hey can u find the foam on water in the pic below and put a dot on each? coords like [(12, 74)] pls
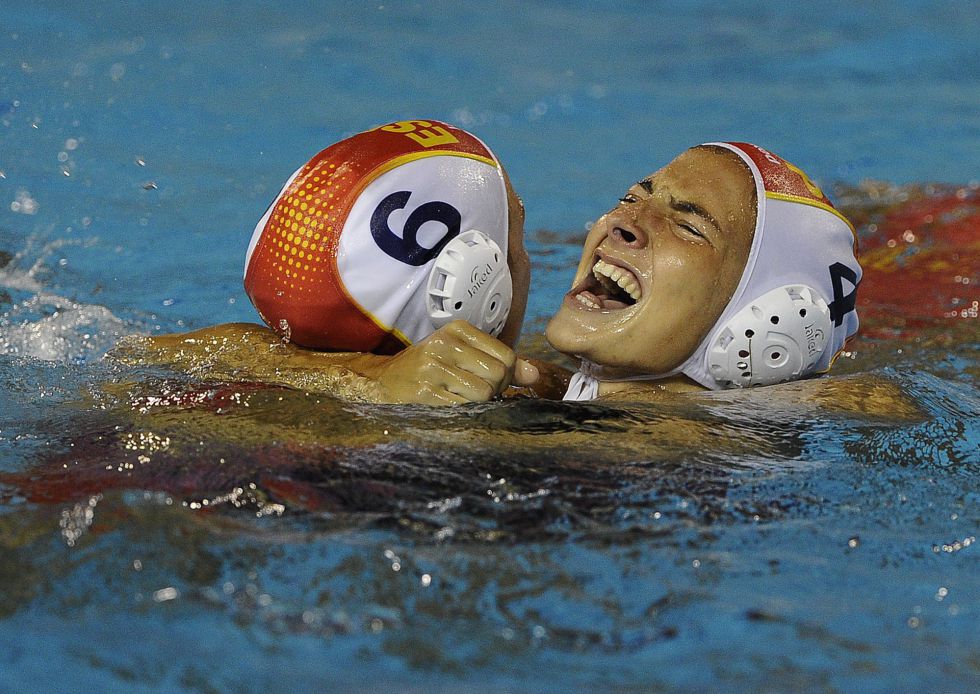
[(47, 326)]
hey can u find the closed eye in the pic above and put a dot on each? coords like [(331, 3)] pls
[(690, 229)]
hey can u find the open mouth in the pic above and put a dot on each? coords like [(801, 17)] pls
[(609, 288)]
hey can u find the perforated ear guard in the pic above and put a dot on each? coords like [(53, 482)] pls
[(778, 337), (470, 281)]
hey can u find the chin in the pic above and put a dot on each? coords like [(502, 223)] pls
[(570, 337), (564, 335), (567, 333), (555, 334)]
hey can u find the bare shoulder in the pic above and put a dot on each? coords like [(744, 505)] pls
[(226, 340), (869, 394), (866, 395)]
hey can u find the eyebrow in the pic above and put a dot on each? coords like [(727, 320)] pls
[(646, 184), (693, 208)]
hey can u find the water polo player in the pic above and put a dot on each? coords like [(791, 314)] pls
[(373, 245), (726, 268), (385, 236)]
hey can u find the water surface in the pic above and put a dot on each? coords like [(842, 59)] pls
[(168, 530)]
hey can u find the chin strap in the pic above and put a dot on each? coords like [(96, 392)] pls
[(585, 382), (584, 385)]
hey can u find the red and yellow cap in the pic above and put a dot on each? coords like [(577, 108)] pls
[(340, 259)]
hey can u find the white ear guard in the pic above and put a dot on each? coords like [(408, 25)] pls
[(778, 337), (470, 281)]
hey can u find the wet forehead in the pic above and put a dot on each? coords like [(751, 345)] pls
[(710, 179)]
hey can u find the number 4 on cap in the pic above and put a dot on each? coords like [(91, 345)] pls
[(842, 304)]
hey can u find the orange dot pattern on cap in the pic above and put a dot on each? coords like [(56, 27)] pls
[(303, 227)]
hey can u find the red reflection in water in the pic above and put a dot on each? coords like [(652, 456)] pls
[(921, 264)]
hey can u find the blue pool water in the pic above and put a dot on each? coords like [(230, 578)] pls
[(734, 542)]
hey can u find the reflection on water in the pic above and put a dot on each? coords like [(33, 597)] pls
[(815, 534)]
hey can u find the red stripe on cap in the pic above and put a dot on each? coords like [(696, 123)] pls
[(781, 177)]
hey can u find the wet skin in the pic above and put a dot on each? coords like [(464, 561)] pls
[(675, 248)]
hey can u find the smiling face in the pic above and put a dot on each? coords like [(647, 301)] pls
[(658, 269)]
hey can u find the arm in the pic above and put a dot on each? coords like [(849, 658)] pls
[(456, 364)]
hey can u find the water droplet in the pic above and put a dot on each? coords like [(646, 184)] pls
[(164, 594), (24, 203)]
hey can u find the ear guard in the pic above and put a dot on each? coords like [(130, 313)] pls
[(470, 281), (779, 337)]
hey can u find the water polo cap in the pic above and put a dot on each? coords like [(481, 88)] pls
[(342, 259), (794, 306)]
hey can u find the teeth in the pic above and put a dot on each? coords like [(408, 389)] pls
[(621, 277), (629, 286), (587, 301)]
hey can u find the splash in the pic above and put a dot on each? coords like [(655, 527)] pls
[(46, 326), (24, 203), (52, 328)]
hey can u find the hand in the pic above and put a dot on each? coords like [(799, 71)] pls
[(458, 363)]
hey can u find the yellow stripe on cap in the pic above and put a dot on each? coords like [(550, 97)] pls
[(814, 203), (415, 156)]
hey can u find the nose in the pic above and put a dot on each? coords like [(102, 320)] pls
[(629, 235)]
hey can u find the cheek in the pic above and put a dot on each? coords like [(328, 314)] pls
[(692, 288), (686, 267)]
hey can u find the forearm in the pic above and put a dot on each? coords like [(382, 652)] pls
[(456, 364), (250, 352)]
